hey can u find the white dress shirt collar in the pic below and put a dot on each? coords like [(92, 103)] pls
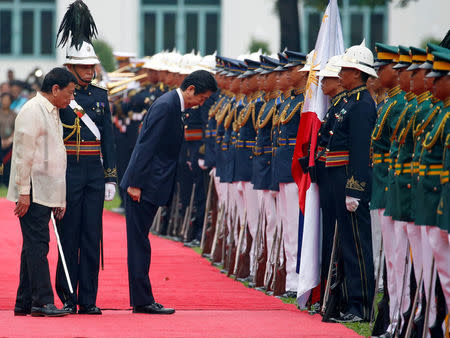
[(47, 104), (180, 94)]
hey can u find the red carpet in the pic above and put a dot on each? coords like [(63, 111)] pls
[(207, 302)]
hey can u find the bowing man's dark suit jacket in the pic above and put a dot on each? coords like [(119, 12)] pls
[(152, 168)]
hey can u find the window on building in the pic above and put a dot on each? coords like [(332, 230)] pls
[(182, 24), (358, 22), (33, 24)]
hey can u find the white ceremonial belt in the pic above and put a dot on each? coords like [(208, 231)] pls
[(85, 118)]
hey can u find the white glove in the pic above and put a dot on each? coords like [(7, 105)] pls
[(110, 191), (351, 203), (201, 164)]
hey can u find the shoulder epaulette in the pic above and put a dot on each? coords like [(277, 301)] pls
[(99, 86)]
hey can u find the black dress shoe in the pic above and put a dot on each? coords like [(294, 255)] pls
[(154, 308), (89, 310), (193, 243), (290, 294), (347, 318), (49, 310), (70, 308), (21, 311)]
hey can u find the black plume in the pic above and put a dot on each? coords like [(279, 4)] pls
[(446, 42), (79, 23)]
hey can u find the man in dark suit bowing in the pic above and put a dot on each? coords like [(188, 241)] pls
[(150, 177)]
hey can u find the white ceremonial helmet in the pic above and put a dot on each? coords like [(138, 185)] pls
[(309, 62), (331, 69), (359, 57), (84, 56), (255, 55), (208, 63)]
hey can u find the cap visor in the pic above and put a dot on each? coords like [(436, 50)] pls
[(435, 73), (293, 64), (426, 65), (401, 65), (381, 63)]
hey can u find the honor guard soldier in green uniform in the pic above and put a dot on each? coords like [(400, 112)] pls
[(441, 72), (428, 109), (91, 170), (429, 185), (383, 170)]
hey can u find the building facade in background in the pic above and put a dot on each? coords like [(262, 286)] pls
[(28, 27)]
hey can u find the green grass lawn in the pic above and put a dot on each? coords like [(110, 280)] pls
[(3, 190)]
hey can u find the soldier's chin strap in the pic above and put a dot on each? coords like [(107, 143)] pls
[(79, 77)]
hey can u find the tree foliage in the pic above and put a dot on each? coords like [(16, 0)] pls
[(256, 45), (290, 24), (105, 54)]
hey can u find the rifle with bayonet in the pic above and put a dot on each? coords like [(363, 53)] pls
[(173, 222), (330, 270), (215, 257), (240, 244), (223, 239), (231, 252), (270, 263), (261, 256), (243, 266), (210, 232), (276, 269), (155, 221), (187, 229), (206, 217), (279, 287)]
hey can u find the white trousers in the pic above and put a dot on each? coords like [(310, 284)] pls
[(267, 198), (376, 244), (289, 209), (251, 204), (429, 277), (387, 230), (439, 242), (402, 267)]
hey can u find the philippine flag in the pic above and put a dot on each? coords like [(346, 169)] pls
[(329, 43)]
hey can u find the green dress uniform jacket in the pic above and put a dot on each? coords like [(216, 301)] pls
[(430, 168), (381, 142), (443, 211), (393, 152), (400, 190), (427, 109)]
